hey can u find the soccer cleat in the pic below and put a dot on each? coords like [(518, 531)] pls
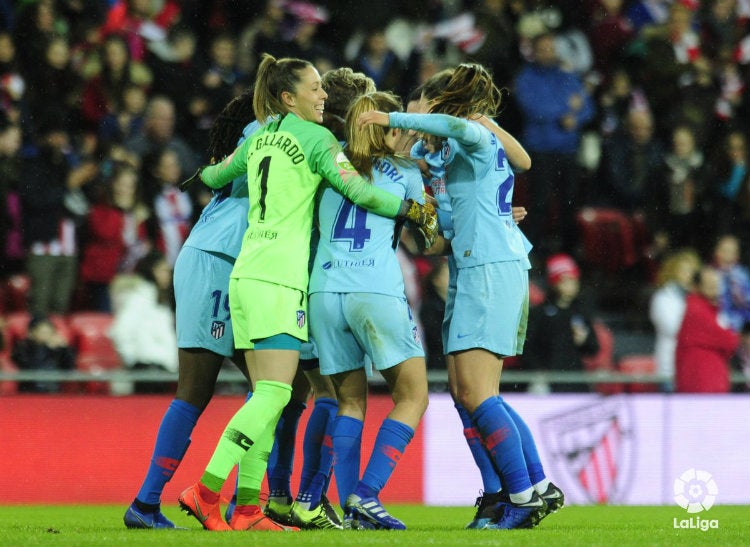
[(252, 518), (280, 512), (134, 518), (333, 516), (229, 511), (353, 523), (486, 513), (208, 514), (554, 498), (512, 516), (368, 513), (313, 519)]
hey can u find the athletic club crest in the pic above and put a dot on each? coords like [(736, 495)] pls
[(593, 445), (217, 329), (300, 318)]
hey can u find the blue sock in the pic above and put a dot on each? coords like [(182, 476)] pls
[(389, 447), (172, 442), (318, 451), (347, 449), (282, 454), (503, 442), (490, 478), (530, 453)]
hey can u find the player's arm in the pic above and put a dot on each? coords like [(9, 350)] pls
[(517, 156), (442, 125), (224, 172)]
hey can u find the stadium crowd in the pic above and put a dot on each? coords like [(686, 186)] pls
[(636, 114)]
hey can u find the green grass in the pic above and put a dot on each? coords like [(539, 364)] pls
[(617, 526)]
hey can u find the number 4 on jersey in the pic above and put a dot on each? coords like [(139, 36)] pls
[(351, 226)]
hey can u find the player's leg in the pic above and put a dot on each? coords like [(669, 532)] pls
[(390, 337), (264, 314), (487, 311), (281, 460), (205, 338), (308, 510)]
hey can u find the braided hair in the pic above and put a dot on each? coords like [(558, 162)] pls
[(227, 128)]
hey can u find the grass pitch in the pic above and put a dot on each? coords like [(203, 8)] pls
[(578, 526)]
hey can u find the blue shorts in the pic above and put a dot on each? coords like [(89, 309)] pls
[(346, 326), (490, 308), (449, 300), (201, 290)]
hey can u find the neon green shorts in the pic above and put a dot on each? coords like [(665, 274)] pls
[(260, 309)]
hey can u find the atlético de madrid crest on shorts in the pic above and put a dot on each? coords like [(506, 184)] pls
[(300, 318), (217, 329)]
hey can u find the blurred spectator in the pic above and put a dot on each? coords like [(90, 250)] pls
[(37, 23), (141, 22), (667, 307), (262, 35), (158, 131), (53, 203), (113, 75), (560, 330), (11, 235), (728, 185), (12, 83), (44, 349), (720, 27), (555, 107), (380, 63), (431, 313), (180, 66), (172, 208), (115, 236), (705, 346), (143, 329), (680, 192), (609, 33), (632, 164), (734, 282), (617, 98), (53, 83), (123, 124), (304, 44), (499, 50)]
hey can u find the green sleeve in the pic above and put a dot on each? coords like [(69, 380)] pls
[(336, 168), (231, 167)]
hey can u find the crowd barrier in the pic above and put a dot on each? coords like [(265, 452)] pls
[(621, 449)]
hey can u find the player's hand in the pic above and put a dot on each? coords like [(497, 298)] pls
[(425, 221), (518, 213), (373, 117), (185, 184)]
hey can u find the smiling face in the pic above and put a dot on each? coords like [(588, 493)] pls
[(307, 101)]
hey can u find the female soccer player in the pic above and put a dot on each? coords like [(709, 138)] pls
[(285, 163), (359, 308), (490, 304), (518, 159), (204, 330)]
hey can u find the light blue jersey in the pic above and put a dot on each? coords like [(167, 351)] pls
[(223, 220), (479, 183), (356, 251), (201, 273), (436, 165)]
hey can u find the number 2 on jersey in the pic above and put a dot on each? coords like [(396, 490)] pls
[(351, 228)]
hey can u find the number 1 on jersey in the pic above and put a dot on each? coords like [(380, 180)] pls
[(263, 167)]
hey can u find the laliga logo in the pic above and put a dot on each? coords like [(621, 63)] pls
[(695, 490)]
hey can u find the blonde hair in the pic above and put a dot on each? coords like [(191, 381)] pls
[(368, 142), (275, 76), (671, 264)]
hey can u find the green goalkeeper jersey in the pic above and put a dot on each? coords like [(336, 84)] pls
[(285, 162)]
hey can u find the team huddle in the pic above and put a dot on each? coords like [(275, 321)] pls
[(300, 239)]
